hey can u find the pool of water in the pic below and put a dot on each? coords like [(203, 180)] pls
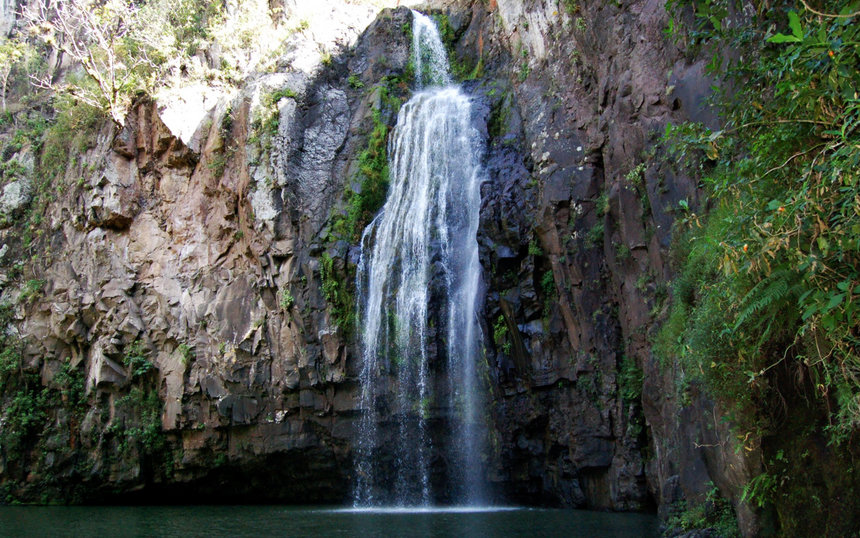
[(233, 521)]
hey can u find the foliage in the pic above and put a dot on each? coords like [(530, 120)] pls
[(186, 353), (135, 358), (286, 299), (783, 247), (31, 289), (500, 335), (571, 6), (630, 378), (594, 236), (355, 82), (547, 284), (71, 133), (140, 426), (601, 204), (714, 513), (338, 294), (102, 39), (23, 415), (500, 115), (12, 52), (550, 293), (766, 304), (363, 203), (284, 93), (264, 125)]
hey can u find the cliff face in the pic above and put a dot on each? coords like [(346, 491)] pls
[(576, 232), (181, 282), (189, 277)]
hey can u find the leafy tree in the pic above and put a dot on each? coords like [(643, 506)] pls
[(99, 37)]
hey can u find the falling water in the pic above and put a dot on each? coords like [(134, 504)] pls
[(418, 282)]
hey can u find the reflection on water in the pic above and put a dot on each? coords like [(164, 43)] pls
[(237, 521)]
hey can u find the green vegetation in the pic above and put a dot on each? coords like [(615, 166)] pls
[(72, 133), (500, 115), (714, 513), (601, 204), (364, 197), (31, 290), (500, 335), (139, 427), (28, 406), (339, 294), (594, 236), (265, 122), (765, 308), (630, 379), (462, 68), (124, 49), (186, 353), (135, 359), (355, 82), (571, 6), (11, 53), (550, 293), (363, 203), (286, 299), (524, 72)]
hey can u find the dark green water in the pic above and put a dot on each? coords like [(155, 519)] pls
[(235, 521)]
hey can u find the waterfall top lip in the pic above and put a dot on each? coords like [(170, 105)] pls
[(427, 41)]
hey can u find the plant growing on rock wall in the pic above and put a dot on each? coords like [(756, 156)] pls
[(337, 294), (135, 359), (363, 203), (785, 239), (286, 299), (500, 335), (766, 310), (140, 425)]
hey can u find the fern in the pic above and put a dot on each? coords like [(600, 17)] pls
[(772, 296)]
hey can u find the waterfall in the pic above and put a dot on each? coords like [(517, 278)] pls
[(419, 435)]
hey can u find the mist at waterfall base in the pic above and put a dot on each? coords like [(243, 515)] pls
[(420, 439), (253, 521)]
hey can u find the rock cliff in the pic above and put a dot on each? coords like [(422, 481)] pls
[(192, 284)]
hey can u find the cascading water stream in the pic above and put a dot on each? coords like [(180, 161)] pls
[(418, 286)]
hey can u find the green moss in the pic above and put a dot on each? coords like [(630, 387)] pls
[(500, 113)]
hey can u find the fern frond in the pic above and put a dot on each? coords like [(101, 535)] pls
[(770, 295)]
